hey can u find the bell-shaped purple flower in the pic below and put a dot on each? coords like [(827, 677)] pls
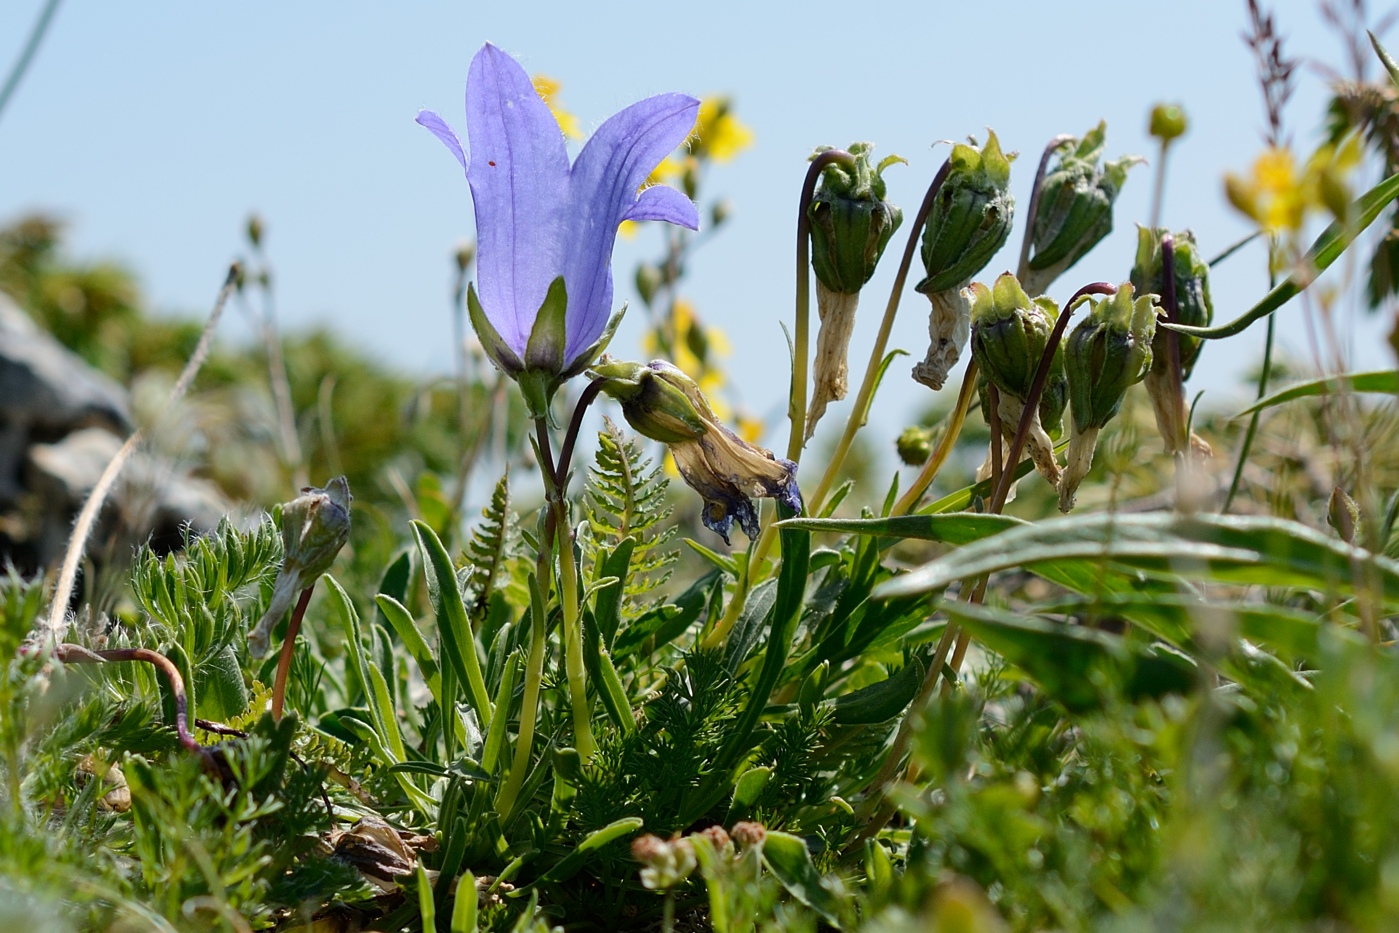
[(544, 228)]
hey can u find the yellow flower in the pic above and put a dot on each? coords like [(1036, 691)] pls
[(547, 88), (1279, 197), (718, 133)]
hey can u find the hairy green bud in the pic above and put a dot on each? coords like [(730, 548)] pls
[(1075, 208), (315, 527), (915, 445), (1010, 333), (970, 218), (851, 222), (1167, 122), (1107, 353)]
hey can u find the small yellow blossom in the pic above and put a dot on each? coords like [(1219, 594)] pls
[(547, 88), (718, 133), (1279, 197)]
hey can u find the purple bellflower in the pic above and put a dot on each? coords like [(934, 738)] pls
[(545, 229)]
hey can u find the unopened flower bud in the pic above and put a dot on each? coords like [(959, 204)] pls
[(1167, 122), (719, 839), (1075, 208), (915, 445), (315, 526), (664, 404), (648, 281), (665, 864), (748, 834), (1193, 307), (970, 218), (255, 230), (1107, 353), (1010, 332), (851, 222)]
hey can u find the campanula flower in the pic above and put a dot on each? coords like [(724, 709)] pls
[(546, 228)]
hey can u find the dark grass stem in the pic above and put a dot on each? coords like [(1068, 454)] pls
[(1246, 448), (801, 337), (1032, 400)]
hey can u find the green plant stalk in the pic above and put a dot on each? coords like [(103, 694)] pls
[(801, 338), (859, 411), (854, 422), (555, 476), (909, 500), (1247, 445), (529, 705)]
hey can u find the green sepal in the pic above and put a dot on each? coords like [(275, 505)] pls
[(495, 346), (549, 335), (970, 219)]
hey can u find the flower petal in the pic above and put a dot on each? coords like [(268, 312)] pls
[(609, 171), (439, 128), (660, 202), (519, 186)]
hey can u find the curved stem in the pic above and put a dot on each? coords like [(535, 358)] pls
[(1023, 266), (76, 654), (801, 338), (26, 57), (575, 425), (1032, 399), (859, 410)]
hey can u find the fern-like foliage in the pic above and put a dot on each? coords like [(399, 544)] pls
[(626, 498), (491, 551)]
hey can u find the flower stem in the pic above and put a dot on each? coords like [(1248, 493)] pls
[(279, 685), (1023, 266), (76, 654), (529, 713), (801, 338), (1263, 376), (1032, 399), (909, 500), (860, 409), (853, 423), (555, 480)]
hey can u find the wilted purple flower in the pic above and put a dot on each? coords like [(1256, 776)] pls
[(545, 229)]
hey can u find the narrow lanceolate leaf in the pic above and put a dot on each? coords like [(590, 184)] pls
[(1326, 250), (1384, 381), (1242, 550), (458, 641)]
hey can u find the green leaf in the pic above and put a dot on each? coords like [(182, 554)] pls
[(1389, 63), (1245, 550), (789, 861), (458, 640), (1069, 661), (882, 701), (402, 622), (569, 865), (1383, 381), (747, 789), (1327, 249), (464, 908)]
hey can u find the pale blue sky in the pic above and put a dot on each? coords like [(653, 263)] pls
[(155, 128)]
